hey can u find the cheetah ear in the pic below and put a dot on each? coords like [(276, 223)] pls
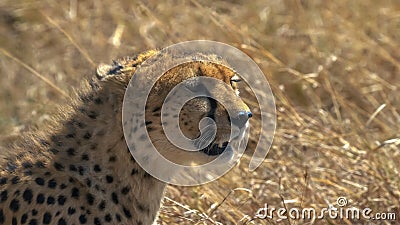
[(103, 71)]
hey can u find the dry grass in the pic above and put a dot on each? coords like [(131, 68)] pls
[(334, 67)]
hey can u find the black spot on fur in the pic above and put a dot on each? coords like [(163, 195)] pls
[(15, 180), (96, 221), (86, 98), (40, 199), (27, 195), (39, 164), (97, 168), (125, 190), (3, 181), (156, 109), (87, 136), (24, 218), (82, 219), (102, 205), (81, 170), (61, 221), (92, 115), (71, 151), (85, 157), (127, 213), (82, 109), (114, 197), (112, 159), (61, 199), (50, 200), (44, 142), (58, 166), (52, 184), (109, 179), (71, 210), (46, 218), (115, 70), (90, 198), (142, 207), (75, 193), (14, 205), (118, 217), (108, 218), (98, 101), (39, 181), (14, 221), (134, 171), (26, 165), (63, 186), (11, 167), (93, 146), (88, 182), (34, 212), (71, 135), (73, 168)]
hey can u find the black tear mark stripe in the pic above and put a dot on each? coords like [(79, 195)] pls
[(213, 104)]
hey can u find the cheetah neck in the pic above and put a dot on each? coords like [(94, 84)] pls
[(88, 147)]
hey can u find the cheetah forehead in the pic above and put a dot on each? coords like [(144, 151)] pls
[(196, 69), (201, 65)]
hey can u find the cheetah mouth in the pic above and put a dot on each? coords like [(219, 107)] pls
[(214, 149)]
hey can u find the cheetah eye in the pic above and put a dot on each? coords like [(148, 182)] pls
[(235, 79)]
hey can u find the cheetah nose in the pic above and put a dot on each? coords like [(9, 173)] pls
[(241, 119)]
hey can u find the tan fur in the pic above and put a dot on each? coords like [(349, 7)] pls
[(78, 170)]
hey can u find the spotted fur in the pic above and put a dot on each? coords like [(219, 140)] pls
[(78, 169)]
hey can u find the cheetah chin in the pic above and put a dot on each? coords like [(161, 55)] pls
[(215, 148)]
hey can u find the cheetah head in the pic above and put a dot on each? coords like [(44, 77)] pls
[(194, 110)]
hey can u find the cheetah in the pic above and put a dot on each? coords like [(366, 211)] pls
[(78, 168)]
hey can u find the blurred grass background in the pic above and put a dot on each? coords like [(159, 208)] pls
[(334, 67)]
